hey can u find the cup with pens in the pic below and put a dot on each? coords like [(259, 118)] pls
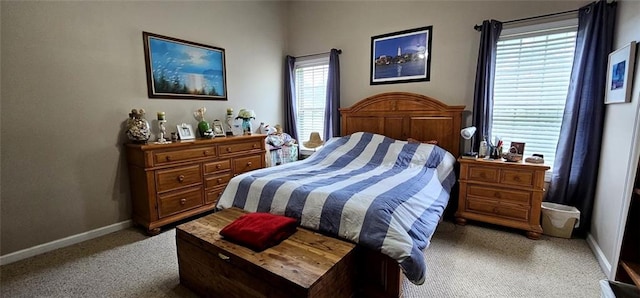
[(495, 151)]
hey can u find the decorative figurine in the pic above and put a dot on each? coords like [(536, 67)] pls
[(137, 127), (203, 126), (229, 121), (246, 116)]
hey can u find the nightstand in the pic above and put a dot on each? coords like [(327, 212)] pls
[(502, 193)]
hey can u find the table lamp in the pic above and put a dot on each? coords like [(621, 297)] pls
[(467, 133)]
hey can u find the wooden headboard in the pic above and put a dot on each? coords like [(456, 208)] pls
[(403, 115)]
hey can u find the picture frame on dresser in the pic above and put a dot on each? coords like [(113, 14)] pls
[(181, 69), (185, 131), (218, 129)]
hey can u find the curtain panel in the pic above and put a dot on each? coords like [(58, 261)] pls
[(575, 171), (485, 74), (290, 122), (331, 111)]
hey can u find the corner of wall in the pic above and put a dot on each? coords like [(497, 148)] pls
[(600, 257)]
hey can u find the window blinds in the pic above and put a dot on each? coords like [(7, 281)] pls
[(311, 94), (531, 83)]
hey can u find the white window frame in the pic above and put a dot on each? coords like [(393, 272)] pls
[(318, 93), (511, 101)]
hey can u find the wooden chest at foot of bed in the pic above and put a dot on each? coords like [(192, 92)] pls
[(307, 264)]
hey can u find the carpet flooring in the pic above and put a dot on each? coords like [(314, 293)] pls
[(463, 261)]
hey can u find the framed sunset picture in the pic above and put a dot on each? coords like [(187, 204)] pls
[(181, 69)]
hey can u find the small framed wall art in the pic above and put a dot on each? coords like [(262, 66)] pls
[(182, 69), (620, 74), (401, 57), (185, 131)]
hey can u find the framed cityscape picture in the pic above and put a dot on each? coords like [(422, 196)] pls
[(401, 57), (182, 69)]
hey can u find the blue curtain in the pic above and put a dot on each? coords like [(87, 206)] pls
[(290, 123), (575, 170), (485, 74), (331, 111)]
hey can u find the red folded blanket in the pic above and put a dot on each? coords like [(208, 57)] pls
[(259, 231)]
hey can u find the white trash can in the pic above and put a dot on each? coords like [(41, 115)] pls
[(559, 220)]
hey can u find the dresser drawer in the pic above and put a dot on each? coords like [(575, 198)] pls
[(213, 195), (246, 164), (177, 202), (217, 166), (510, 195), (494, 207), (175, 178), (160, 158), (217, 180), (483, 174), (519, 178), (239, 147)]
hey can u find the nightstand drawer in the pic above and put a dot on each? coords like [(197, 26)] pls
[(493, 207), (519, 178), (510, 195), (160, 158), (217, 166), (483, 174), (177, 178)]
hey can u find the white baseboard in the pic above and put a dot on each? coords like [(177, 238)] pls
[(605, 265), (46, 247)]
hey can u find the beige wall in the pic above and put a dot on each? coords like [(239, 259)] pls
[(318, 26), (620, 151), (71, 72)]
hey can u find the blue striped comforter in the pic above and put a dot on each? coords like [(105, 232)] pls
[(384, 194)]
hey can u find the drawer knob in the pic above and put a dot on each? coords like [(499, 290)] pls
[(496, 194), (218, 166), (248, 164), (204, 153), (228, 149), (483, 175), (223, 257), (183, 201), (219, 180), (181, 178), (255, 146), (235, 175), (516, 178), (168, 158)]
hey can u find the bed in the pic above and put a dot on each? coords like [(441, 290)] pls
[(369, 186)]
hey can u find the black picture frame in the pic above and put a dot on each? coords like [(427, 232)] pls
[(401, 57), (519, 146), (180, 69)]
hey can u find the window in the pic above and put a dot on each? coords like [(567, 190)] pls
[(311, 96), (533, 68)]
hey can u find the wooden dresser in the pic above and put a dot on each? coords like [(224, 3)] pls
[(170, 182), (503, 193)]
